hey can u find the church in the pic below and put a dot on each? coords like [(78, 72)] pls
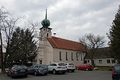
[(55, 49)]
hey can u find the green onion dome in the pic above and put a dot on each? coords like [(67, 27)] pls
[(45, 23)]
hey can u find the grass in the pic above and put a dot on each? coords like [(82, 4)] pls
[(104, 68)]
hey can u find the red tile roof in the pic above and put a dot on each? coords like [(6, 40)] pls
[(65, 44)]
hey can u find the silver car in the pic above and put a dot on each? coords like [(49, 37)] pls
[(70, 67), (38, 69)]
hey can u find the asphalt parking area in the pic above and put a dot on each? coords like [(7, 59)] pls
[(77, 75)]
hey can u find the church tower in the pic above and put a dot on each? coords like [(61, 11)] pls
[(45, 31)]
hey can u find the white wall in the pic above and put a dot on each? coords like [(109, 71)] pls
[(102, 62), (63, 56), (45, 53)]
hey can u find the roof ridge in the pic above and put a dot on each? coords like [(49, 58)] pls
[(66, 39)]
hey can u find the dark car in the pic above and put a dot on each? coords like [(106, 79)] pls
[(116, 72), (38, 69), (85, 67), (17, 71)]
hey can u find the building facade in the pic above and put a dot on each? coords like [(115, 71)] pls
[(102, 57), (54, 49)]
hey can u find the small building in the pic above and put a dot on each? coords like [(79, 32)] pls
[(102, 57), (55, 49)]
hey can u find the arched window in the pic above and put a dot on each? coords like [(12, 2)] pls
[(47, 34)]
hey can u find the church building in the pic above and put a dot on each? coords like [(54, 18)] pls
[(55, 49)]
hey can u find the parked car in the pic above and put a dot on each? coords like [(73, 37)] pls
[(17, 71), (57, 68), (85, 67), (70, 67), (38, 69), (116, 72)]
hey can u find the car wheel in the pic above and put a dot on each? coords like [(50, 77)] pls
[(64, 72), (73, 70), (35, 73), (54, 71), (45, 73), (90, 69), (26, 75), (8, 74)]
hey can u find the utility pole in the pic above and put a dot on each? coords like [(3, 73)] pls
[(1, 51)]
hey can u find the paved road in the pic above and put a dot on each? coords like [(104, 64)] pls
[(78, 75)]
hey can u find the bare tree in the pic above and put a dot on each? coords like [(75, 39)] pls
[(92, 43), (8, 29), (3, 16), (7, 26)]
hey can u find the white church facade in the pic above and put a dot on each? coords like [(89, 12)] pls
[(54, 49)]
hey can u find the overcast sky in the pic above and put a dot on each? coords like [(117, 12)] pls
[(69, 19)]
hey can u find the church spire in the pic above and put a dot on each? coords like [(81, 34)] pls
[(45, 23), (46, 14)]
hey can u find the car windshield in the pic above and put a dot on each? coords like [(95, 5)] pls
[(17, 67), (61, 64), (23, 66), (44, 66), (71, 64)]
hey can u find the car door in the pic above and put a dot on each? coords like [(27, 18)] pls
[(31, 69)]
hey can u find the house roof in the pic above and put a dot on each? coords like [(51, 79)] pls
[(100, 53), (65, 44)]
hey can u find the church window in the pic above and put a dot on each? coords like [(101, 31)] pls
[(72, 56), (66, 56), (77, 56), (60, 58), (81, 56)]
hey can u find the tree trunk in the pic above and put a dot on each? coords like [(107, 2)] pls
[(2, 56)]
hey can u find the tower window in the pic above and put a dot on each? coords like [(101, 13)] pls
[(47, 34), (40, 61)]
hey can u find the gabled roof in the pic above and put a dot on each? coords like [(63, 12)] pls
[(100, 53), (65, 44)]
